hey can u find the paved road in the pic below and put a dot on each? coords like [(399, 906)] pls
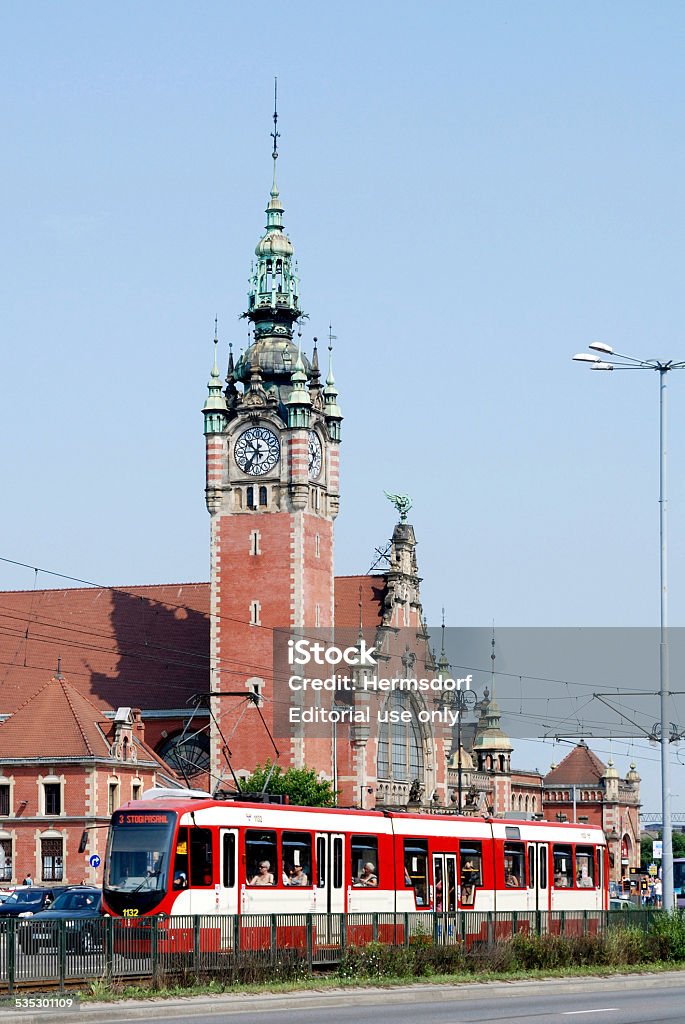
[(644, 999)]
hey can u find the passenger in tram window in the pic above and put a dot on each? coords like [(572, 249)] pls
[(368, 876), (298, 876), (263, 875), (561, 881), (512, 881), (407, 876)]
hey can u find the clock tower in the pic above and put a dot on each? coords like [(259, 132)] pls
[(272, 450)]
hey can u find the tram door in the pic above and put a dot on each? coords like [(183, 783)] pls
[(444, 882), (538, 881), (226, 888), (330, 873)]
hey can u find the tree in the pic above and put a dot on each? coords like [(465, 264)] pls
[(301, 785), (647, 849)]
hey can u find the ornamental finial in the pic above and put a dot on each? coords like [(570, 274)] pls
[(402, 503), (275, 135)]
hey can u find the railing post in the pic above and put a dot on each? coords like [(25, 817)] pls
[(154, 945), (274, 939), (237, 944), (343, 932), (374, 925), (514, 923), (109, 946), (538, 923), (406, 928), (62, 951), (310, 941), (11, 940), (197, 953)]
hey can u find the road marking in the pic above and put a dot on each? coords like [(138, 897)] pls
[(605, 1009)]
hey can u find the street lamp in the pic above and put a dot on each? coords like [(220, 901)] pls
[(610, 360), (463, 701)]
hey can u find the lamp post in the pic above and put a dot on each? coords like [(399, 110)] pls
[(464, 700), (610, 360)]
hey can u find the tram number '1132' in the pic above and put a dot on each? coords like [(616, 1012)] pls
[(130, 912)]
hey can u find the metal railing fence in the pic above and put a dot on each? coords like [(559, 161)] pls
[(62, 952)]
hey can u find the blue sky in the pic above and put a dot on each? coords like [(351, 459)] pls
[(475, 192)]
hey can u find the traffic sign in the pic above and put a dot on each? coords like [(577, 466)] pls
[(95, 861), (658, 849), (652, 870)]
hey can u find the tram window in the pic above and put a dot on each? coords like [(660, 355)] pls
[(261, 857), (514, 866), (416, 869), (543, 867), (296, 848), (181, 860), (364, 853), (321, 861), (337, 862), (470, 870), (585, 867), (229, 860), (201, 870), (531, 867), (563, 866)]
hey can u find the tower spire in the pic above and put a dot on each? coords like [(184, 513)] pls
[(275, 135)]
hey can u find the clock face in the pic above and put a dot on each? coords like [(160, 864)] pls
[(314, 454), (257, 451)]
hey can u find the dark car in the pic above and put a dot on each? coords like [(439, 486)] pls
[(29, 900), (81, 910)]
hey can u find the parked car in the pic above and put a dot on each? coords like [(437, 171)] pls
[(622, 904), (81, 910), (28, 900)]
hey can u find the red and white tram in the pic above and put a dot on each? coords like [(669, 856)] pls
[(180, 853)]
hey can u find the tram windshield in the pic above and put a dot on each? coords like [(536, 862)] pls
[(138, 857)]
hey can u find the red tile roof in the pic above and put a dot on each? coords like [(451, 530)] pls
[(58, 721), (580, 767), (145, 647)]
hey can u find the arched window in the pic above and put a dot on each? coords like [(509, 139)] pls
[(189, 756), (250, 497), (262, 495), (400, 747)]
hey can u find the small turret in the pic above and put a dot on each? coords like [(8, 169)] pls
[(215, 409)]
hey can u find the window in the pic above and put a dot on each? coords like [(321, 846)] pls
[(52, 795), (585, 867), (262, 496), (255, 609), (317, 615), (255, 538), (317, 546), (193, 862), (416, 869), (471, 870), (201, 868), (229, 860), (400, 748), (563, 866), (261, 857), (337, 862), (514, 865), (531, 867), (297, 858), (112, 797), (250, 497), (4, 799), (5, 860), (51, 860), (321, 861), (136, 789), (364, 858)]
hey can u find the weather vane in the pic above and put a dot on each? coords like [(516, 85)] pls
[(275, 134), (402, 503)]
